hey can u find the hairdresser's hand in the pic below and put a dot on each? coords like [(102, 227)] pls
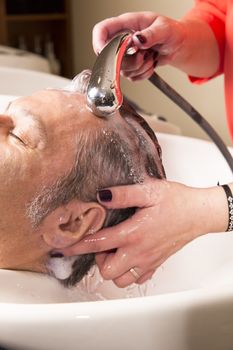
[(156, 38), (170, 216), (188, 44)]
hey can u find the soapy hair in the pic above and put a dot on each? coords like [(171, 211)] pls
[(105, 157)]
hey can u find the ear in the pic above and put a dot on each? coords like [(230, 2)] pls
[(67, 224)]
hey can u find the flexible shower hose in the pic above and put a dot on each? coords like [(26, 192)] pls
[(157, 81)]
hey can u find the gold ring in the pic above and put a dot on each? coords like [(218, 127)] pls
[(134, 273)]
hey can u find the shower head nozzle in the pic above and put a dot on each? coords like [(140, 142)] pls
[(104, 95)]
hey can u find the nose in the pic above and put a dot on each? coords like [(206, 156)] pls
[(6, 124)]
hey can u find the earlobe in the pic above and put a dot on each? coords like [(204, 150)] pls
[(67, 224)]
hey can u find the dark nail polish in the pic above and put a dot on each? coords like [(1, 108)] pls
[(146, 55), (155, 55), (56, 255), (141, 38), (105, 195), (163, 119)]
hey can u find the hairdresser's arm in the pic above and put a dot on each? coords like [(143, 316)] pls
[(170, 216), (189, 44)]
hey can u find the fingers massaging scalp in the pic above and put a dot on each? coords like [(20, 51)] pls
[(104, 95)]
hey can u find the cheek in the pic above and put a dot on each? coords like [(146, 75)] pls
[(19, 246), (12, 250), (19, 181), (12, 163)]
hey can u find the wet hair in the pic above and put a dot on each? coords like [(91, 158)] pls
[(105, 157)]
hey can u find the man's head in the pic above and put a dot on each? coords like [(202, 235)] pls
[(55, 155)]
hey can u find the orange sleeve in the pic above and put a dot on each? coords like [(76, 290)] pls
[(213, 13)]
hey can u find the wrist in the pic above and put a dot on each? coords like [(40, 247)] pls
[(208, 211), (198, 55), (217, 210)]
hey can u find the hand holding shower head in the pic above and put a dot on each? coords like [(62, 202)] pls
[(104, 95)]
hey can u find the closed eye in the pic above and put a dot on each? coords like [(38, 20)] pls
[(16, 137)]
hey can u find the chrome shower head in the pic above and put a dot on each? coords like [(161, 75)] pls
[(104, 95)]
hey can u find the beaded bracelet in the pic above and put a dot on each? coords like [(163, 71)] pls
[(230, 206)]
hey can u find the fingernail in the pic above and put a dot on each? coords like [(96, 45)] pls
[(105, 195), (141, 38), (163, 119), (146, 55), (56, 255), (155, 55)]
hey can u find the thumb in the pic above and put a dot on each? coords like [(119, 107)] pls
[(155, 34), (140, 195)]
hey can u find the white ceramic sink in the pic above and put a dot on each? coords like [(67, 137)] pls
[(21, 82), (188, 305)]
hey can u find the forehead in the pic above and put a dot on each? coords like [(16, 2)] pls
[(66, 112), (58, 110), (52, 101)]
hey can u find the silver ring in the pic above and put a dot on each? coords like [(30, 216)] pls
[(134, 273)]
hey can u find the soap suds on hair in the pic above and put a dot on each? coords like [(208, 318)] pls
[(61, 268)]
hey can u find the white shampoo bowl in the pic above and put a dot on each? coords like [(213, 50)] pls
[(188, 304)]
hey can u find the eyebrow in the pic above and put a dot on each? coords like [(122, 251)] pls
[(35, 119), (37, 122), (8, 105)]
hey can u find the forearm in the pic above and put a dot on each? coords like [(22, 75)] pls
[(199, 54)]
